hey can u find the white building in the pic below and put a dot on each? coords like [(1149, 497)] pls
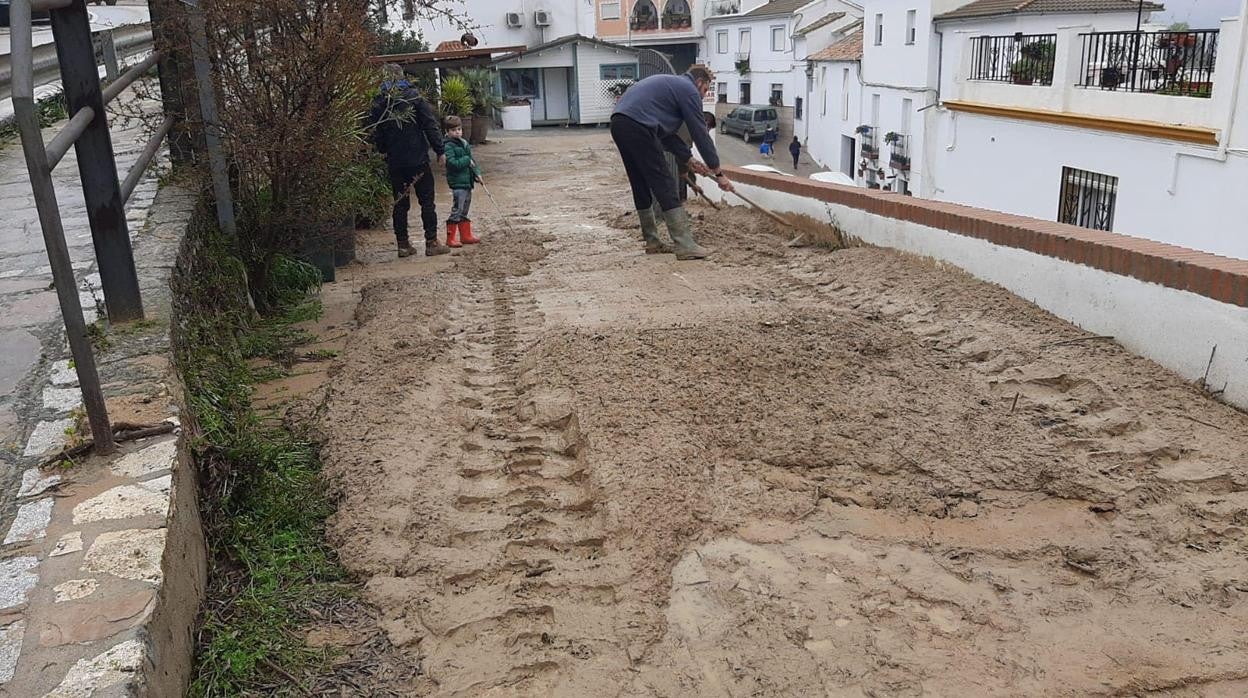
[(571, 80), (758, 54), (833, 105), (1145, 135), (508, 22)]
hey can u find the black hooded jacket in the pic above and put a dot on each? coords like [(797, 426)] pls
[(405, 128)]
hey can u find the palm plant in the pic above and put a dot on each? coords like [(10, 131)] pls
[(456, 99), (480, 83)]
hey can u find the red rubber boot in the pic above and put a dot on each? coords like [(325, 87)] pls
[(452, 235), (465, 230)]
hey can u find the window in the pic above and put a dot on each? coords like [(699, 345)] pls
[(907, 105), (845, 94), (610, 10), (743, 42), (875, 110), (617, 71), (911, 32), (879, 30), (520, 82), (721, 92), (721, 42), (1087, 199), (777, 94), (745, 93), (797, 108), (823, 82), (777, 39)]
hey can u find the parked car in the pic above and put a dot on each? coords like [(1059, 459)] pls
[(38, 15), (750, 120)]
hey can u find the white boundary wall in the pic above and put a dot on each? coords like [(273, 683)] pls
[(1177, 329)]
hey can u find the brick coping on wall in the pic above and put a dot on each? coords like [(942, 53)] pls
[(1221, 278)]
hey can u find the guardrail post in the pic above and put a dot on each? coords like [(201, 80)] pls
[(108, 51), (168, 33), (96, 164), (212, 122), (44, 191)]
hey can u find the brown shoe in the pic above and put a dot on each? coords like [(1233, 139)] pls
[(433, 248), (406, 250)]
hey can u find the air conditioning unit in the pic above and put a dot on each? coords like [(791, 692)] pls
[(515, 20), (541, 18)]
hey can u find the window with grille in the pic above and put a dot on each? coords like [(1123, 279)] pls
[(617, 71), (777, 94), (1087, 199), (721, 93), (745, 93), (797, 108)]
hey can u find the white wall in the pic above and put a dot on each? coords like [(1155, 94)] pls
[(766, 66), (595, 105), (1015, 166), (1175, 328), (567, 17), (828, 121)]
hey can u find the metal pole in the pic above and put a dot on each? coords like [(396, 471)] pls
[(112, 69), (96, 165), (212, 123), (53, 234), (171, 78), (1135, 47)]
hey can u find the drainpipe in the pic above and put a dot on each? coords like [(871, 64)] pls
[(1224, 144)]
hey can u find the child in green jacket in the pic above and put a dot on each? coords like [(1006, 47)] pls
[(461, 174)]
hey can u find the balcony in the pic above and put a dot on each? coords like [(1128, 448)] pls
[(644, 16), (724, 7), (869, 147), (1021, 59), (676, 15), (899, 151), (1177, 63)]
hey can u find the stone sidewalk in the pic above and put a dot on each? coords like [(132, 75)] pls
[(33, 410), (103, 563)]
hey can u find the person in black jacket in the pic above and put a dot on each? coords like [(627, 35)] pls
[(405, 130)]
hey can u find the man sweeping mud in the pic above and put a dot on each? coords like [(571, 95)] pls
[(645, 123)]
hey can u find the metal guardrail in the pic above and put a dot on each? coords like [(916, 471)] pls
[(113, 47), (88, 132)]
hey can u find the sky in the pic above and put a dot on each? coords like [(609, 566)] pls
[(1199, 14)]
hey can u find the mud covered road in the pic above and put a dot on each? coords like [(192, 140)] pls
[(567, 468)]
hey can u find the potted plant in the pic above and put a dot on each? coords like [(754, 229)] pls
[(743, 65), (863, 129), (457, 100), (485, 101), (1111, 77), (892, 137), (899, 162), (1023, 72)]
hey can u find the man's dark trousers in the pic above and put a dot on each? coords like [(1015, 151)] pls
[(649, 174), (400, 177)]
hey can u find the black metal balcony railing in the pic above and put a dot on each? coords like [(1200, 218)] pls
[(899, 151), (1172, 62), (1023, 59), (869, 146)]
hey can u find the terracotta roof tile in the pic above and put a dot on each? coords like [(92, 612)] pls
[(847, 49), (991, 8)]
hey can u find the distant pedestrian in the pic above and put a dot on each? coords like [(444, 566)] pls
[(405, 130), (795, 149), (461, 174), (770, 136)]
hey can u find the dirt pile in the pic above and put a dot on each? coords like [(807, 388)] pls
[(783, 472)]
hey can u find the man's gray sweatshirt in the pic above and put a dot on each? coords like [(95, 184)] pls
[(664, 103)]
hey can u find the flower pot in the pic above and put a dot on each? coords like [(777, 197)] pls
[(1022, 79), (480, 128), (467, 125), (318, 250), (344, 243), (517, 117)]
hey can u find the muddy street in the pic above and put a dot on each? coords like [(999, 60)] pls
[(567, 468)]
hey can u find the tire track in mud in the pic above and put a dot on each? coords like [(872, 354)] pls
[(525, 601)]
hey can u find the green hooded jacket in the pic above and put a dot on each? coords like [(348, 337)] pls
[(460, 169)]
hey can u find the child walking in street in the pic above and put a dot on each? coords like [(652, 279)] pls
[(795, 149), (461, 173), (768, 148)]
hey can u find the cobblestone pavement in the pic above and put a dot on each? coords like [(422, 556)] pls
[(35, 402)]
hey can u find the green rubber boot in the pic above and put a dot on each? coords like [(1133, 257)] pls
[(650, 231), (680, 227)]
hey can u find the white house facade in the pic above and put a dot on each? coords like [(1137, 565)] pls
[(509, 22), (833, 106), (1074, 117), (571, 80)]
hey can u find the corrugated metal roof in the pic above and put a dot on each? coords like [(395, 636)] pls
[(847, 49), (819, 23), (777, 7), (992, 8)]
